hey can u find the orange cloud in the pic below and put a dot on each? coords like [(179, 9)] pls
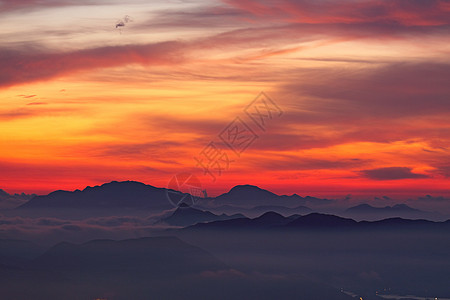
[(355, 108)]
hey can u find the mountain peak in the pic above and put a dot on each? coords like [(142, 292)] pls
[(248, 192), (187, 215), (248, 188), (270, 215), (364, 205), (113, 195), (322, 220), (119, 184), (183, 206), (403, 206)]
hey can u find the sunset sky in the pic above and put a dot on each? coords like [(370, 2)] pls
[(363, 88)]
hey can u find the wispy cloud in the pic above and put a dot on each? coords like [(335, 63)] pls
[(404, 12), (27, 5), (392, 173), (363, 84), (27, 66)]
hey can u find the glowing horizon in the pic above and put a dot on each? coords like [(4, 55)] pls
[(363, 87)]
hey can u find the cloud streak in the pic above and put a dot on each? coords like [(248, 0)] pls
[(363, 85), (392, 173), (405, 12), (14, 5), (33, 65)]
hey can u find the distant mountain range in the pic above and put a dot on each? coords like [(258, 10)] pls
[(8, 201), (132, 194), (135, 198), (185, 215), (267, 220), (371, 213), (251, 196), (113, 195), (259, 210), (398, 208), (316, 221)]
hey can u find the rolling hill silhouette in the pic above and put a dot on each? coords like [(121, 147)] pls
[(261, 209), (366, 208), (185, 215), (317, 221), (371, 213)]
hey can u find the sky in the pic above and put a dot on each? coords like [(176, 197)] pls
[(356, 95)]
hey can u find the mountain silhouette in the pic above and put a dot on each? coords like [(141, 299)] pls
[(113, 195), (370, 213), (400, 223), (261, 209), (266, 220), (240, 192), (185, 215), (301, 209), (397, 208), (135, 195), (317, 221), (250, 196), (9, 201)]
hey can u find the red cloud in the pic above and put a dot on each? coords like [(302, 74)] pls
[(10, 5), (19, 67), (405, 12), (392, 173)]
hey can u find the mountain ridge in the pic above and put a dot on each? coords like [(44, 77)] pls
[(317, 221), (108, 195), (185, 215), (138, 198), (134, 194)]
